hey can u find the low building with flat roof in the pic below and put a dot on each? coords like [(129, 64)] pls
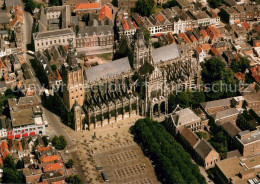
[(238, 170), (249, 142)]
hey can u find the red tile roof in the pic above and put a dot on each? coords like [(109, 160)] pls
[(52, 158), (205, 46), (240, 76), (185, 37), (246, 25), (193, 39), (105, 12), (16, 18), (125, 24), (2, 65), (1, 161), (58, 182), (215, 51), (256, 73), (198, 48), (58, 76), (52, 167), (41, 149), (203, 33), (160, 18), (87, 6)]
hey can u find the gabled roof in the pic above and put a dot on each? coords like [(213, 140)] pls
[(16, 18), (203, 148), (52, 158), (105, 12), (52, 167), (231, 129), (87, 6), (191, 137)]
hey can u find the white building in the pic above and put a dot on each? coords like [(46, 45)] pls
[(27, 122), (44, 40)]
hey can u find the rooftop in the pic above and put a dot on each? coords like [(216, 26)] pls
[(216, 103), (166, 53), (231, 129), (107, 70), (203, 148), (225, 113), (184, 116), (53, 33), (255, 136), (191, 137)]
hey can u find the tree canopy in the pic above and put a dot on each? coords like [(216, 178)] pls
[(75, 179), (144, 7), (69, 164), (10, 173), (59, 142), (172, 163), (115, 3)]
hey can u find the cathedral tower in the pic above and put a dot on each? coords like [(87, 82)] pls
[(73, 79)]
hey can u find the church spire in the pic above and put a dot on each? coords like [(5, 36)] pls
[(71, 59)]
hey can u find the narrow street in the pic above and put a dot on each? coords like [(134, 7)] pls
[(27, 26), (58, 127)]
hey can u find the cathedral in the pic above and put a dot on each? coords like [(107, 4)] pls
[(135, 85)]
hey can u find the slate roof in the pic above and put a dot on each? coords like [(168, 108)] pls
[(225, 113), (4, 18), (10, 3), (90, 30), (216, 103), (107, 70), (191, 137), (166, 53), (231, 129), (203, 148), (54, 33)]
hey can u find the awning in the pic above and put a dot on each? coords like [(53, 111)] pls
[(23, 131), (157, 35), (10, 133), (32, 133), (10, 136), (25, 135), (237, 21), (17, 136)]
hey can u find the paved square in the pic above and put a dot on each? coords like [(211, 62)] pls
[(124, 162)]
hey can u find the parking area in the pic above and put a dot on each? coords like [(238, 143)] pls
[(124, 162)]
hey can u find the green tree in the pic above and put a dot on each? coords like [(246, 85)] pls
[(59, 142), (170, 4), (45, 141), (55, 2), (53, 67), (9, 162), (212, 70), (19, 164), (144, 7), (75, 179), (69, 164), (215, 3), (240, 66), (12, 176), (115, 3), (85, 18), (9, 93)]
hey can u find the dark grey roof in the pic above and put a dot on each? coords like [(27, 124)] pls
[(2, 123), (75, 20), (54, 33), (225, 113), (165, 53), (91, 30), (216, 103), (107, 70), (203, 148), (66, 16), (4, 18), (2, 84), (231, 129), (10, 3)]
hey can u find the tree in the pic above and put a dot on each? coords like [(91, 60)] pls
[(9, 162), (59, 142), (240, 66), (115, 3), (9, 93), (45, 140), (170, 4), (85, 18), (144, 7), (212, 70), (53, 67), (75, 179), (12, 176), (55, 2), (215, 3), (19, 164), (69, 164)]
